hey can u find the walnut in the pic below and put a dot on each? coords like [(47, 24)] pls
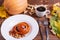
[(30, 9)]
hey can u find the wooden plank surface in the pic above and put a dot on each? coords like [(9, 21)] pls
[(49, 2)]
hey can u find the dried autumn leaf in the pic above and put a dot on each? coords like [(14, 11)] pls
[(3, 13)]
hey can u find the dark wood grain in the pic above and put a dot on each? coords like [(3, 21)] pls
[(1, 1), (49, 2)]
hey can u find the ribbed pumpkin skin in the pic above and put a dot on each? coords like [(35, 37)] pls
[(15, 6)]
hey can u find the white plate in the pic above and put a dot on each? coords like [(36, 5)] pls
[(9, 23)]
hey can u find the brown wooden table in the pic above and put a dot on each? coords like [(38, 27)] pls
[(38, 37)]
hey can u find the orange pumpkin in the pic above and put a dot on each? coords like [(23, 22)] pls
[(15, 6)]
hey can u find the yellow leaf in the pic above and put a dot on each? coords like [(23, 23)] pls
[(57, 24), (3, 13), (58, 35)]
